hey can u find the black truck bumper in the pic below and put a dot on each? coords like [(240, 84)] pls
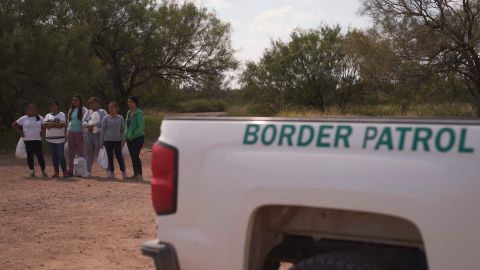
[(163, 254)]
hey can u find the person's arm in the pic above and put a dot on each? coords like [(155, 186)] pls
[(122, 130), (57, 125), (85, 117), (141, 122), (18, 128), (42, 127), (47, 124), (62, 122), (67, 121)]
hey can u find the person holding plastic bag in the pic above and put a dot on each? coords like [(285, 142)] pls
[(74, 131), (29, 127), (54, 125), (111, 137), (135, 135), (92, 124)]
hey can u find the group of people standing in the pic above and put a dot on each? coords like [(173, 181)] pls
[(84, 132)]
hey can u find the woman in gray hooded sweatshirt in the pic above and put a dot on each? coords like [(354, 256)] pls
[(111, 137)]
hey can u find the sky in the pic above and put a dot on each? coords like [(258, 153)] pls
[(256, 22)]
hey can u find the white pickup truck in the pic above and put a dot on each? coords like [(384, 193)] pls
[(323, 194)]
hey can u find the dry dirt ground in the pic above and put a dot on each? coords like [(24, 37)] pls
[(77, 223)]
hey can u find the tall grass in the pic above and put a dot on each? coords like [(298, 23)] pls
[(421, 110), (153, 120), (202, 105)]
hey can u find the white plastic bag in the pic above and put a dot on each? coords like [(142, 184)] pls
[(80, 166), (21, 151), (125, 151), (102, 159)]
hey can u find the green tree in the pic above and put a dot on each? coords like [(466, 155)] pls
[(441, 35), (38, 61), (140, 43), (313, 69)]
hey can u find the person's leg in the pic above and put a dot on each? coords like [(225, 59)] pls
[(134, 155), (39, 154), (118, 154), (53, 151), (72, 144), (80, 148), (130, 145), (96, 143), (60, 148), (89, 150), (109, 149), (29, 148), (137, 162)]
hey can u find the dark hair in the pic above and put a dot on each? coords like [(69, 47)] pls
[(114, 103), (37, 117), (53, 101), (135, 100), (80, 108)]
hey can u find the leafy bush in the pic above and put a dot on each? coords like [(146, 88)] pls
[(153, 120), (9, 139), (202, 105)]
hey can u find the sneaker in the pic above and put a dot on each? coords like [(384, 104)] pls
[(44, 174), (124, 175), (55, 175), (32, 173), (69, 174), (65, 174)]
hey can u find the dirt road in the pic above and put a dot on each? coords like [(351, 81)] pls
[(93, 223)]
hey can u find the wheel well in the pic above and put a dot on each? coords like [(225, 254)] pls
[(292, 233)]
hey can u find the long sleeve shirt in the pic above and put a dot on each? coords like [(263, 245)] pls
[(113, 128)]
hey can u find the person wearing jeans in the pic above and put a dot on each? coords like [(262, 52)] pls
[(111, 138), (55, 134), (74, 131), (135, 135), (29, 127)]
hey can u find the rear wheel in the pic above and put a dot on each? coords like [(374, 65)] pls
[(340, 261)]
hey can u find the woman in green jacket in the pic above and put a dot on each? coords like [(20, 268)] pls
[(135, 135)]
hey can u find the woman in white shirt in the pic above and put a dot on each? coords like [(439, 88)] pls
[(29, 127), (92, 124), (55, 135)]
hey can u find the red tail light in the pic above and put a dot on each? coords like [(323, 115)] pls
[(164, 178)]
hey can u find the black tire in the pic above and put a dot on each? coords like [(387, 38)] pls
[(340, 261)]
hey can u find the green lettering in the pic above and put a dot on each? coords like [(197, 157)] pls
[(462, 148), (385, 139), (370, 134), (422, 135), (311, 132), (343, 133), (450, 140), (251, 136), (273, 135), (322, 135), (403, 132), (286, 132)]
